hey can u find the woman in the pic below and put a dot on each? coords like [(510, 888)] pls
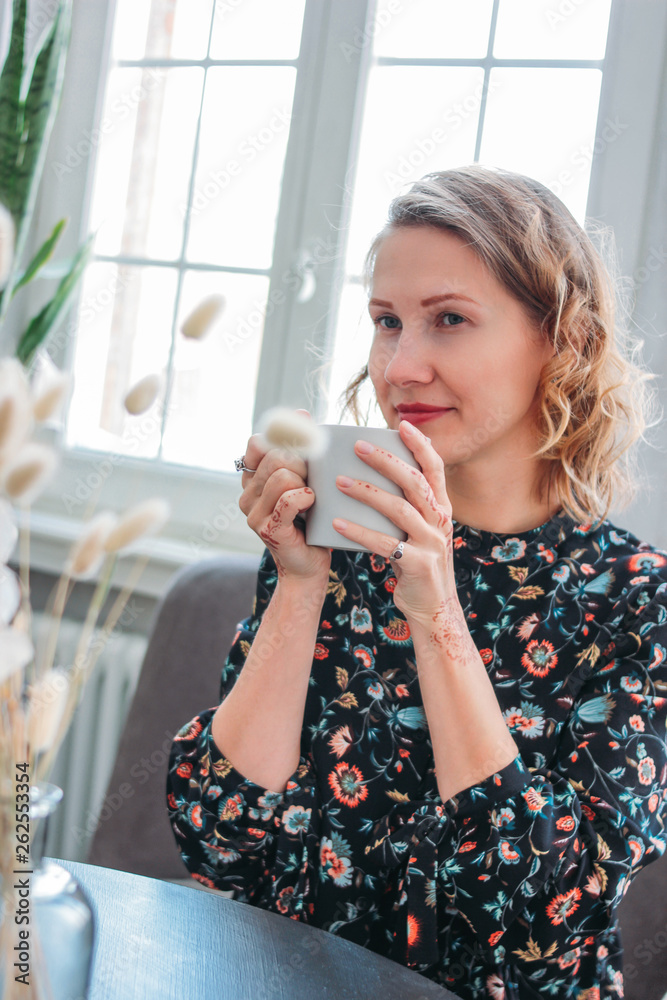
[(452, 751)]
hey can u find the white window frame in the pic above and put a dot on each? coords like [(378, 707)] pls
[(312, 219)]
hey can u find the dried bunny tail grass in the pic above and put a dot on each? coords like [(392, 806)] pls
[(87, 551), (202, 318), (593, 399), (48, 394), (16, 417), (47, 701), (282, 427), (26, 474), (143, 394), (16, 651), (147, 517)]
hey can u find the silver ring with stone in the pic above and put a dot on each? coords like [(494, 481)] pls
[(398, 551), (240, 466)]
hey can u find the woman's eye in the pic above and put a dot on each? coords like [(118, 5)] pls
[(378, 319), (454, 318)]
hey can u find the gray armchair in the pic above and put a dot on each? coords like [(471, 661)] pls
[(195, 624)]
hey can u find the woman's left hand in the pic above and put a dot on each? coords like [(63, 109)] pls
[(425, 581)]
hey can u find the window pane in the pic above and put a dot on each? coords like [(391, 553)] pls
[(214, 382), (431, 29), (542, 123), (257, 29), (146, 140), (123, 333), (353, 344), (542, 29), (416, 119), (177, 29), (244, 131)]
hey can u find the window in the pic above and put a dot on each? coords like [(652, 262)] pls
[(251, 148)]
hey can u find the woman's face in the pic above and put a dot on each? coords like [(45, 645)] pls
[(475, 351)]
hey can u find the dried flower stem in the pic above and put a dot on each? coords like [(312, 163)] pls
[(24, 568), (84, 666)]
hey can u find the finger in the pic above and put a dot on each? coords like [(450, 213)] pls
[(399, 510), (377, 541), (261, 507), (280, 525), (269, 462)]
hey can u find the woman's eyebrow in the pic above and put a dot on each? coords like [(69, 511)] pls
[(427, 302)]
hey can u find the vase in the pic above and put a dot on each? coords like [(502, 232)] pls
[(54, 953)]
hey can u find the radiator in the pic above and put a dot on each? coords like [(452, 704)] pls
[(85, 761)]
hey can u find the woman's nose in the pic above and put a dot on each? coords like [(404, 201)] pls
[(406, 361)]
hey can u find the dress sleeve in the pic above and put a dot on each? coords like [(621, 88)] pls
[(538, 858), (226, 826)]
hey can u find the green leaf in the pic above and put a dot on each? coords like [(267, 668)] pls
[(41, 105), (11, 116), (44, 254), (42, 324)]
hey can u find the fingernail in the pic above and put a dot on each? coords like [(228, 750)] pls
[(364, 447), (345, 481)]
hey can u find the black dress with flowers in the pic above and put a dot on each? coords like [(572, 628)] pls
[(509, 889)]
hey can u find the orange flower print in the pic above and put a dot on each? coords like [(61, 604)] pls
[(646, 770), (534, 799), (414, 930), (528, 626), (467, 845), (194, 815), (231, 809), (507, 852), (539, 657), (340, 741), (364, 655), (487, 655), (495, 938), (282, 901), (636, 850), (189, 730), (653, 802), (390, 584), (321, 652), (565, 823), (645, 561), (637, 723), (402, 691), (184, 769), (495, 987), (346, 781), (563, 905)]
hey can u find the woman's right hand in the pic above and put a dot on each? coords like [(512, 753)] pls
[(272, 497)]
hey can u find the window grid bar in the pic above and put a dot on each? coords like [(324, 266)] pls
[(494, 62), (487, 78), (177, 264), (181, 259), (207, 63)]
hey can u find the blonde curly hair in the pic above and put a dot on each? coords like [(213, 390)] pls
[(594, 399)]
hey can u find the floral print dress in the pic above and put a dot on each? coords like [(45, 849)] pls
[(509, 889)]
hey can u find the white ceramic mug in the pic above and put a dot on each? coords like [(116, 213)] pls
[(338, 458)]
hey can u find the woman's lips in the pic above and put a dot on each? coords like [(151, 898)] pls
[(421, 416)]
